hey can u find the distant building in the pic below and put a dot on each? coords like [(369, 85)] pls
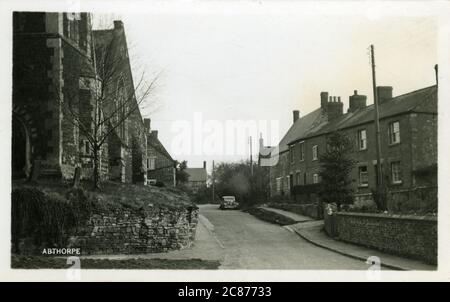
[(197, 177), (160, 165), (408, 126)]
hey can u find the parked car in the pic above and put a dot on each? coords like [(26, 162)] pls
[(228, 202)]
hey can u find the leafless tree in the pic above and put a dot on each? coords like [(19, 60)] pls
[(114, 99)]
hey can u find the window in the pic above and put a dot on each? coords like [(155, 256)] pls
[(298, 178), (151, 163), (72, 26), (362, 139), (291, 153), (87, 148), (315, 178), (314, 152), (363, 176), (278, 184), (302, 151), (394, 133), (396, 172), (288, 179)]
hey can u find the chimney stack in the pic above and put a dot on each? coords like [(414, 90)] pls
[(356, 102), (436, 72), (384, 94), (204, 164), (334, 107), (296, 115), (118, 24), (323, 100), (147, 124)]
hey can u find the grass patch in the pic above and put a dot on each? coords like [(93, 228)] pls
[(41, 262), (112, 193)]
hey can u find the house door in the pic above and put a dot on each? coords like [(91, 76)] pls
[(20, 150), (291, 181)]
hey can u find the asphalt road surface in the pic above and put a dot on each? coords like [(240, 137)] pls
[(249, 243)]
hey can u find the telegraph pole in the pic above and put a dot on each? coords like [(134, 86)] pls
[(251, 157), (213, 181), (377, 125)]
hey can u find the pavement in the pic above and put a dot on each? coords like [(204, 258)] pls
[(313, 232)]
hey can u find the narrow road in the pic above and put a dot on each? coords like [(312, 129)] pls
[(249, 243)]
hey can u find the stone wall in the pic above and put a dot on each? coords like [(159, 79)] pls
[(311, 210), (131, 231), (408, 236), (270, 216)]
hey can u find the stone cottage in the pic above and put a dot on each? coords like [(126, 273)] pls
[(160, 165), (197, 177)]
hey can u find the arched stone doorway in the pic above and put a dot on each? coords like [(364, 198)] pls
[(20, 149)]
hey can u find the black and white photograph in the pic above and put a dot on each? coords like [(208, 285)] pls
[(208, 140)]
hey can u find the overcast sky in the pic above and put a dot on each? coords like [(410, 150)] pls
[(259, 67)]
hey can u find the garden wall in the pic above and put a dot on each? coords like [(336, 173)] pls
[(409, 236), (126, 231), (311, 210)]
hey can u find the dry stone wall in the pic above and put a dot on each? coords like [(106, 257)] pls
[(132, 231)]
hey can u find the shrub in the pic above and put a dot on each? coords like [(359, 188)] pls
[(46, 218)]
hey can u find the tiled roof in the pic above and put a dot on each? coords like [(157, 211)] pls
[(196, 174), (154, 142), (300, 128), (422, 100)]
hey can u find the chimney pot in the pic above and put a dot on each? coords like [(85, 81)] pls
[(204, 164)]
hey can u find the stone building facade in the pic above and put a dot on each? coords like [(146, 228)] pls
[(56, 78), (52, 64), (127, 143), (408, 125), (160, 165), (197, 178)]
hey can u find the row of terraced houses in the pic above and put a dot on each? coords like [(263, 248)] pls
[(408, 125), (55, 60)]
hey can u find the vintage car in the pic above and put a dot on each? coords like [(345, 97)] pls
[(228, 202)]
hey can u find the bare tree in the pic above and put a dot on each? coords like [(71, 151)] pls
[(114, 98)]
